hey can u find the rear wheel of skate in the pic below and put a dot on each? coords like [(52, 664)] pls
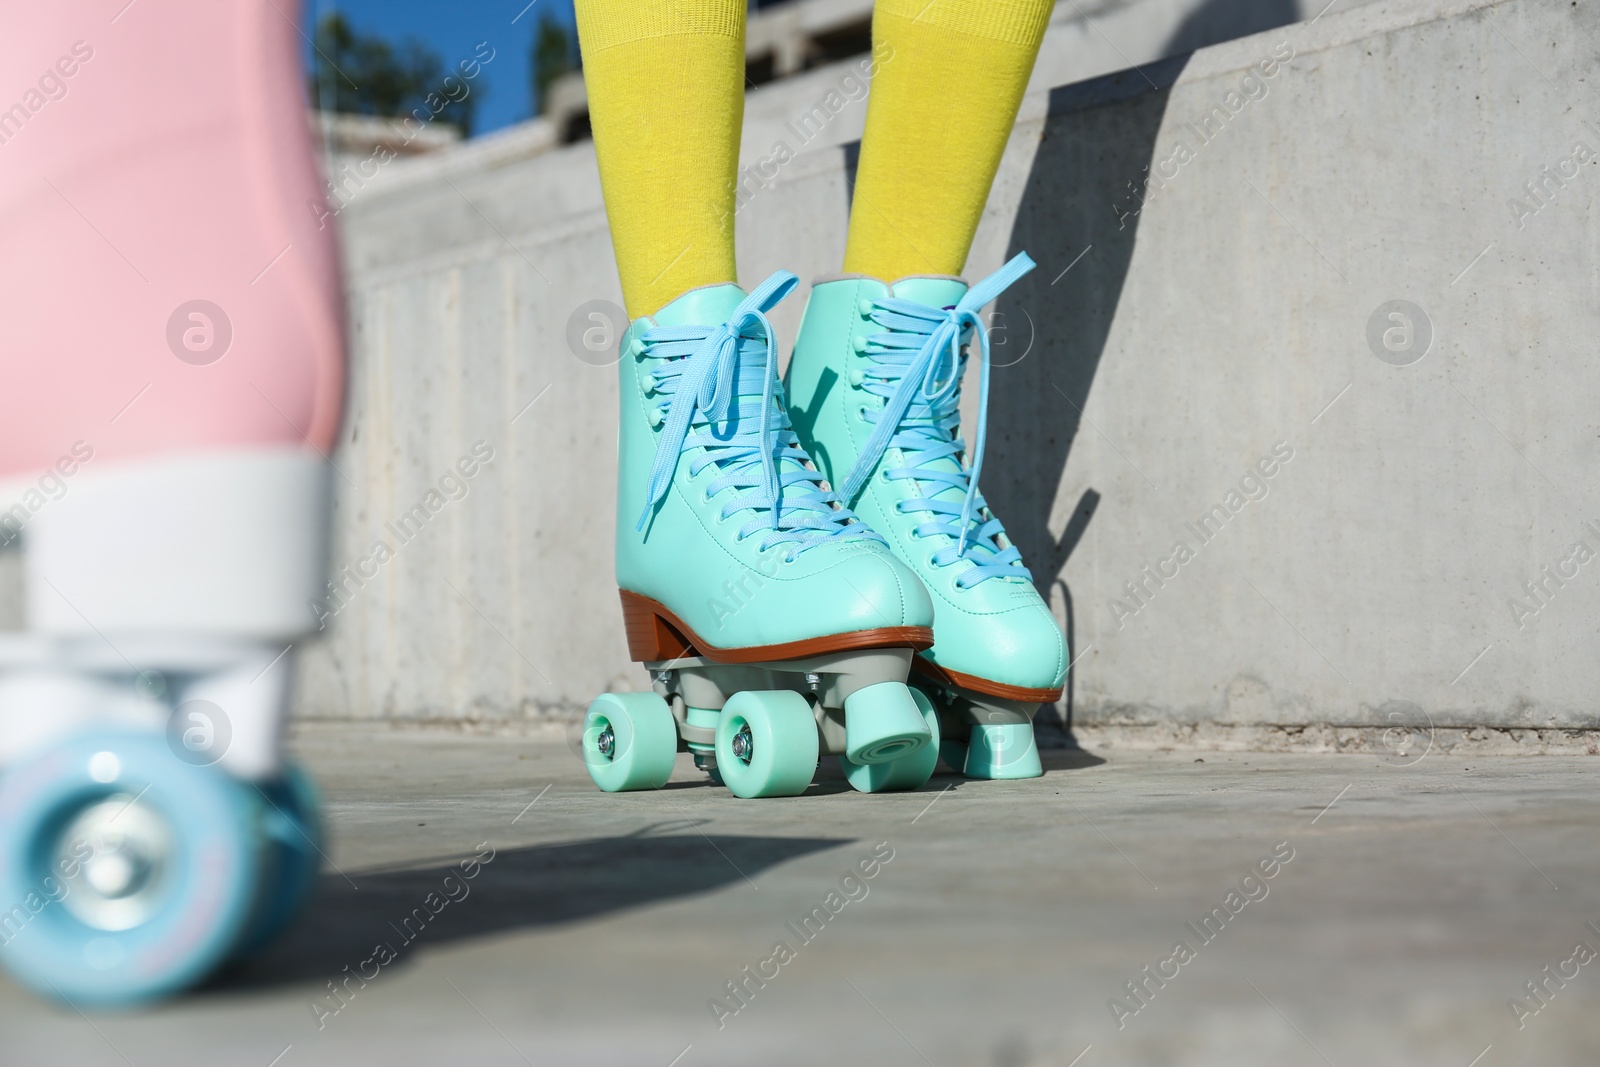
[(130, 874), (708, 762), (291, 820), (907, 772), (883, 722), (630, 741), (767, 744), (954, 754), (1002, 751)]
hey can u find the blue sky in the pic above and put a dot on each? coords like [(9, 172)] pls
[(453, 29)]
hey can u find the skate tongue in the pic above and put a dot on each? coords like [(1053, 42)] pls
[(705, 306), (935, 292)]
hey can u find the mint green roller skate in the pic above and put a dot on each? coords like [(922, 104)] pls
[(776, 625), (877, 369)]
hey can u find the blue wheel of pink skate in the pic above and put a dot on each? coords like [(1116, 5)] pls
[(291, 821), (907, 772), (128, 874)]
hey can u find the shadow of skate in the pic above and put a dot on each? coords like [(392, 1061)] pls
[(1078, 217), (519, 889), (830, 779), (1069, 759)]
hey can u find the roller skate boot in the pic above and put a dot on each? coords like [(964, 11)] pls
[(877, 371), (777, 626), (173, 369)]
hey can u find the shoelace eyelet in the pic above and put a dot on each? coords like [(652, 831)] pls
[(860, 343), (864, 308)]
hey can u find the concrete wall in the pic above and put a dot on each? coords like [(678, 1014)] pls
[(1167, 346), (1083, 40)]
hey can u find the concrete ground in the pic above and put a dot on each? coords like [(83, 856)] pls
[(1406, 909)]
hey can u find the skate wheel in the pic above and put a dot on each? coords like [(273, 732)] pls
[(1008, 751), (767, 744), (291, 819), (129, 873), (881, 723), (954, 754), (710, 767), (907, 772), (630, 741)]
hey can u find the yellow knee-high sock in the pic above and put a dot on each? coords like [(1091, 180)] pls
[(950, 78), (666, 99)]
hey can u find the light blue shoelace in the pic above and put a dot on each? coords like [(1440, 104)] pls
[(917, 366), (718, 390)]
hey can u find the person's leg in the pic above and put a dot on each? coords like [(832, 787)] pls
[(878, 365), (665, 80), (942, 106)]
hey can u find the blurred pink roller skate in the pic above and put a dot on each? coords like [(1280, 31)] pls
[(173, 375)]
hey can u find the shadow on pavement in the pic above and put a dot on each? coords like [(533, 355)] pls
[(538, 886), (1068, 759)]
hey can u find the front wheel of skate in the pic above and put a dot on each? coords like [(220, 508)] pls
[(1002, 751), (630, 741), (907, 772), (767, 744), (883, 722), (130, 874)]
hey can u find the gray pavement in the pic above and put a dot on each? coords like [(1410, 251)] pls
[(1407, 906)]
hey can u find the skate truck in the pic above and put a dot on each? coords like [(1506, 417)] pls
[(758, 720)]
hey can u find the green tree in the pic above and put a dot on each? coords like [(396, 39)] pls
[(555, 52), (363, 74)]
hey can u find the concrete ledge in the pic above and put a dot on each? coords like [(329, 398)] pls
[(1397, 748)]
